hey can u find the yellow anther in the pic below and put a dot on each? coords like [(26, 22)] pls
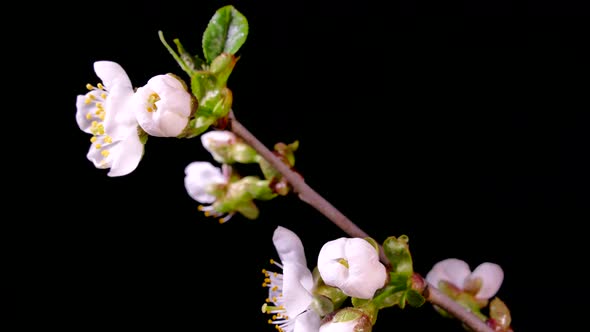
[(105, 153), (107, 139), (275, 288), (276, 274), (272, 261), (89, 86), (101, 116), (267, 300), (100, 86), (264, 271), (94, 124), (87, 101), (88, 116), (98, 145), (266, 280), (200, 208), (149, 109), (222, 220), (207, 214), (99, 105), (274, 317), (264, 284), (281, 307), (274, 299), (93, 139), (270, 321), (103, 95), (266, 274)]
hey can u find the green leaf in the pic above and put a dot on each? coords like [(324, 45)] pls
[(222, 67), (414, 298), (226, 33), (201, 83), (193, 62), (397, 251), (186, 67)]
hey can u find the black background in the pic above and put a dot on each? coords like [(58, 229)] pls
[(463, 125)]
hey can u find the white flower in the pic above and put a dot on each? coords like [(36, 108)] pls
[(106, 113), (164, 106), (457, 272), (201, 181), (290, 292), (206, 183), (352, 264), (215, 140)]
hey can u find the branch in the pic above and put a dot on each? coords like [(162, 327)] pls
[(311, 197)]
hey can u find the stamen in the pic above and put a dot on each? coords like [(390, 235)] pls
[(100, 86), (89, 87), (93, 139), (98, 145), (107, 139), (105, 153), (103, 95), (88, 116)]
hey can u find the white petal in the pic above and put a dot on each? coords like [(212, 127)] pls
[(332, 271), (83, 109), (199, 176), (297, 283), (365, 273), (347, 326), (111, 73), (119, 112), (288, 246), (145, 119), (126, 155), (172, 124), (491, 276), (451, 270), (308, 321), (216, 137)]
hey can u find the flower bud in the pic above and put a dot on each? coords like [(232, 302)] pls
[(164, 106)]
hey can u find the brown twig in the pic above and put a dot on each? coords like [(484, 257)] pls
[(311, 197)]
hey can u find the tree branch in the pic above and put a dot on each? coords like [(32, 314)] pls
[(311, 197)]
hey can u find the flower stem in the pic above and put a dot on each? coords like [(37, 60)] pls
[(311, 197)]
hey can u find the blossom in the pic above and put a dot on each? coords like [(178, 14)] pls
[(106, 113), (290, 292), (205, 184), (484, 281), (226, 147), (352, 264), (163, 106)]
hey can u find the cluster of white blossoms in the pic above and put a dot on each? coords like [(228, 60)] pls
[(119, 118), (351, 264)]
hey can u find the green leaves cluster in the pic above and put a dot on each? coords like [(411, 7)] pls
[(225, 34)]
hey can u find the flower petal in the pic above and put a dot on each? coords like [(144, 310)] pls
[(119, 115), (332, 271), (331, 326), (308, 321), (288, 246), (451, 270), (111, 73), (365, 273), (85, 111), (199, 176), (128, 154), (297, 284), (491, 276)]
